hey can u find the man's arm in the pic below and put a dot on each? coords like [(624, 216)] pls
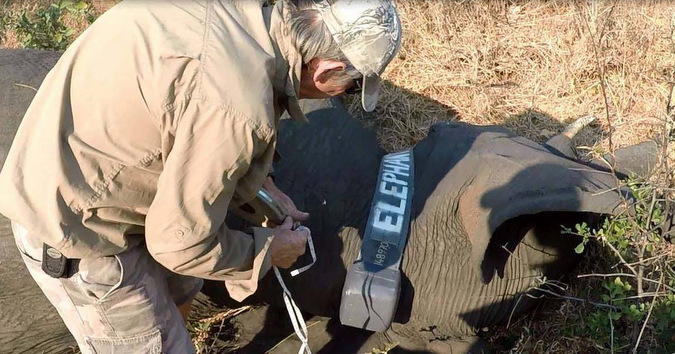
[(185, 225)]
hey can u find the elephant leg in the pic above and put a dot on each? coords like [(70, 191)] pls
[(639, 159)]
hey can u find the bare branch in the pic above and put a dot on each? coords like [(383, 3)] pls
[(597, 304), (25, 86), (651, 307), (601, 73), (618, 254), (625, 275)]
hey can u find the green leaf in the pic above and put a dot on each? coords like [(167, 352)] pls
[(81, 6), (615, 316), (580, 248)]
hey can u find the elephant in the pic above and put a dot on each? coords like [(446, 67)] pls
[(485, 228)]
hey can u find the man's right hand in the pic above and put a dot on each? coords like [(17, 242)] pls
[(287, 244)]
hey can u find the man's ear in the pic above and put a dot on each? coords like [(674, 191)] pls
[(325, 69)]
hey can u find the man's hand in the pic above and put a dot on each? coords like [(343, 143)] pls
[(287, 244), (284, 201)]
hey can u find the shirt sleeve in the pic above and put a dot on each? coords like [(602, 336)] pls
[(213, 149)]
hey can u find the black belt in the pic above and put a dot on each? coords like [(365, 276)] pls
[(56, 265)]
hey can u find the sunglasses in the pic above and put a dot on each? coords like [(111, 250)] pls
[(356, 87)]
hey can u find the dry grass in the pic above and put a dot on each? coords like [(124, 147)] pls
[(209, 330), (530, 66)]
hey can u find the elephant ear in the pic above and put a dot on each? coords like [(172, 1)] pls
[(518, 177), (502, 176)]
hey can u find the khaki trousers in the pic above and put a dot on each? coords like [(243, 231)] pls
[(126, 303)]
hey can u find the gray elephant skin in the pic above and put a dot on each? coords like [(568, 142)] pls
[(485, 230)]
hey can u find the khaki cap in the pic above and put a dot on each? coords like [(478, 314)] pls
[(368, 33)]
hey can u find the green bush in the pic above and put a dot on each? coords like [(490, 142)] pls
[(45, 29), (637, 306)]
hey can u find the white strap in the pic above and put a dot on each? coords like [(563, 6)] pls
[(294, 313), (311, 251)]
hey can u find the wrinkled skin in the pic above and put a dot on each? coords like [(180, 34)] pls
[(486, 220)]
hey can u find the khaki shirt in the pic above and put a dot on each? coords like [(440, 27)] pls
[(157, 119)]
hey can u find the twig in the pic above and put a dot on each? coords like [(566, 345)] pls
[(672, 31), (644, 295), (617, 188), (577, 299), (643, 247), (618, 254), (601, 72), (611, 332), (230, 313), (649, 313), (605, 275), (624, 275), (609, 15), (25, 86), (668, 122), (215, 338), (644, 261)]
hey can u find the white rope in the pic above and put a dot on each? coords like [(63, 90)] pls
[(294, 313)]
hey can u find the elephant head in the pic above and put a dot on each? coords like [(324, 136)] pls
[(486, 228)]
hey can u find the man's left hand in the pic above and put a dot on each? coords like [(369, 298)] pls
[(285, 201)]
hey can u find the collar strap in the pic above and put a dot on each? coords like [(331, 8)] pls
[(373, 283)]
